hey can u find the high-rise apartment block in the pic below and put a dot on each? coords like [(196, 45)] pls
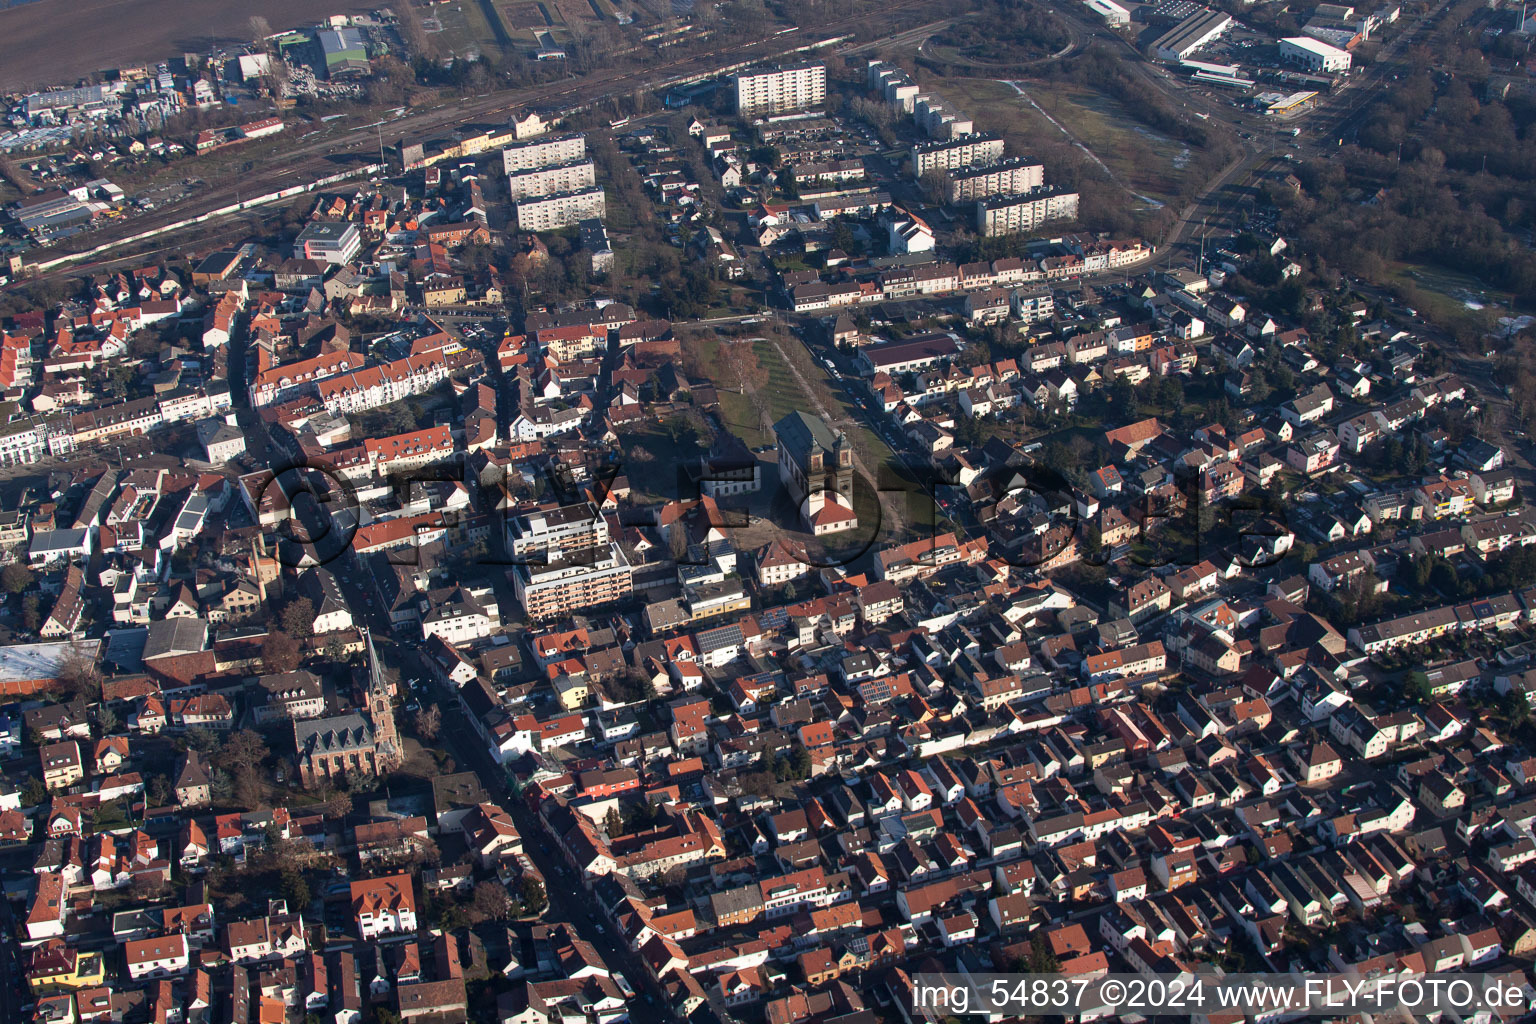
[(544, 151), (948, 154), (569, 562), (1006, 177), (544, 181), (1006, 215), (550, 213), (781, 89)]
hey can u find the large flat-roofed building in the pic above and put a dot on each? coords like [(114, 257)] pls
[(328, 242), (939, 121), (589, 579), (594, 240), (1006, 177), (544, 151), (94, 100), (346, 51), (1314, 54), (53, 213), (544, 181), (780, 89), (919, 353), (568, 561), (893, 84), (1196, 31), (550, 533), (549, 213), (1007, 215), (1113, 14), (949, 154)]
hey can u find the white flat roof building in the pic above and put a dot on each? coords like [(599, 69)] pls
[(552, 212), (1190, 35), (780, 89), (1113, 14), (548, 151), (1315, 54)]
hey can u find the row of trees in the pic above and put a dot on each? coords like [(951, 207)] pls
[(1007, 32), (1455, 153)]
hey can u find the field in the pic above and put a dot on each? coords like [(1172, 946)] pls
[(467, 25), (525, 14), (59, 41), (1140, 159), (575, 12), (1448, 297), (786, 379), (465, 31)]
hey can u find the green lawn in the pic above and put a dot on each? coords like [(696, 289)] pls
[(741, 412), (1143, 159), (465, 30), (1442, 295)]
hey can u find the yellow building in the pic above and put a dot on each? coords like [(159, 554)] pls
[(61, 764), (573, 692), (55, 967)]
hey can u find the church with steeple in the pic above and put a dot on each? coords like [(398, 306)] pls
[(359, 742), (816, 465)]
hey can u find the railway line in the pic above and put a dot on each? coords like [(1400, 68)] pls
[(328, 156)]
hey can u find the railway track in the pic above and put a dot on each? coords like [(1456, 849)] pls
[(316, 159)]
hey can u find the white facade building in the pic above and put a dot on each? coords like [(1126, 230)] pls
[(1314, 54), (544, 152), (549, 213), (776, 90)]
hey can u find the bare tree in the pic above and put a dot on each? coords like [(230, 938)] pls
[(935, 186), (429, 721), (411, 32), (338, 804), (79, 675), (280, 652), (490, 902), (298, 617)]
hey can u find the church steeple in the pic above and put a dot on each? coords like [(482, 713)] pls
[(388, 754)]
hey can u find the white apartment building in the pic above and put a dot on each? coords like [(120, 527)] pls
[(1032, 305), (976, 148), (938, 121), (458, 622), (1314, 54), (1006, 177), (557, 531), (157, 957), (893, 84), (550, 213), (328, 242), (549, 591), (374, 386), (1006, 215), (776, 90), (21, 442), (544, 151), (543, 181)]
